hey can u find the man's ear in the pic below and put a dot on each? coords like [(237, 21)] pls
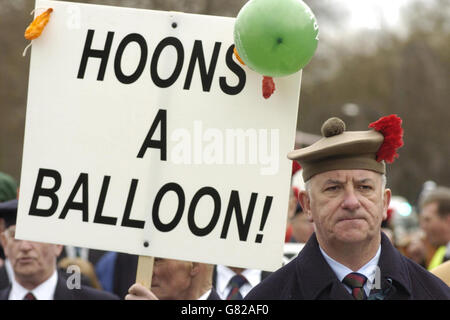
[(2, 225), (196, 266), (4, 242), (58, 250), (386, 202), (3, 239), (305, 202)]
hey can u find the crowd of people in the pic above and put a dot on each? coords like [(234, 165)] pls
[(341, 212)]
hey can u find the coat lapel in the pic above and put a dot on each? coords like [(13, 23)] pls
[(315, 278), (61, 291)]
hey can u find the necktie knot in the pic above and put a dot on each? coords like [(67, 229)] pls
[(29, 296), (236, 282), (356, 282)]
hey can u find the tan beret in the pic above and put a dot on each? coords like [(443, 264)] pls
[(340, 150)]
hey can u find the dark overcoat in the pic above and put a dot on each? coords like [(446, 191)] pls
[(310, 277), (62, 292)]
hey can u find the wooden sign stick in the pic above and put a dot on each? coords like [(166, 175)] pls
[(144, 271)]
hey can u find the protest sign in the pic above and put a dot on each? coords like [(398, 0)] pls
[(145, 135)]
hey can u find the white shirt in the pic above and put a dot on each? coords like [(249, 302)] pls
[(9, 269), (224, 275), (71, 252), (205, 295), (45, 291), (369, 270)]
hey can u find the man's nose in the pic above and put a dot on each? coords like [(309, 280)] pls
[(350, 201), (25, 245)]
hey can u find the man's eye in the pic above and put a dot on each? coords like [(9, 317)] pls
[(332, 188), (365, 187)]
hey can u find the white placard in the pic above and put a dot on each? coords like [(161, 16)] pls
[(145, 135)]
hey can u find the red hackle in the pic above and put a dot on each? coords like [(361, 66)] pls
[(391, 128), (295, 167)]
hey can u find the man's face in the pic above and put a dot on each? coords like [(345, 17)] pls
[(171, 278), (347, 206), (33, 262), (436, 228)]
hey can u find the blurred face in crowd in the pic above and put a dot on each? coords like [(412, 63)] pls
[(292, 206), (436, 228), (347, 206), (172, 279), (33, 262), (302, 227)]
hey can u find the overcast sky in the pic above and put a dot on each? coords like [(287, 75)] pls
[(373, 14)]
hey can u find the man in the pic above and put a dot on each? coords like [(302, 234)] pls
[(34, 266), (348, 257), (176, 280), (435, 221), (232, 283)]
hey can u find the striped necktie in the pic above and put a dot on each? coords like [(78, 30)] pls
[(356, 282), (236, 283)]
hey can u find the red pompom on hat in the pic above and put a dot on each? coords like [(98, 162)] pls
[(391, 128)]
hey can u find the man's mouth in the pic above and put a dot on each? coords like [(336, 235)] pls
[(350, 219), (25, 260)]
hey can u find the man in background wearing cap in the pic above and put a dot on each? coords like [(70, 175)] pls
[(8, 211), (8, 187), (8, 191), (348, 257), (34, 266)]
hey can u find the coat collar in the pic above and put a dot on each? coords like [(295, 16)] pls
[(61, 290), (393, 267), (315, 275)]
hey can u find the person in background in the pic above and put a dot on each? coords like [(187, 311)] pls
[(8, 187), (176, 280), (302, 226), (86, 269), (435, 222), (8, 191), (34, 266), (116, 272), (232, 283), (386, 226), (442, 271)]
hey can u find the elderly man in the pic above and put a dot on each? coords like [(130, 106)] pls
[(348, 257), (176, 280), (435, 221), (34, 266)]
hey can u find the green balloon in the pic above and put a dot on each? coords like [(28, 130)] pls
[(276, 37)]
